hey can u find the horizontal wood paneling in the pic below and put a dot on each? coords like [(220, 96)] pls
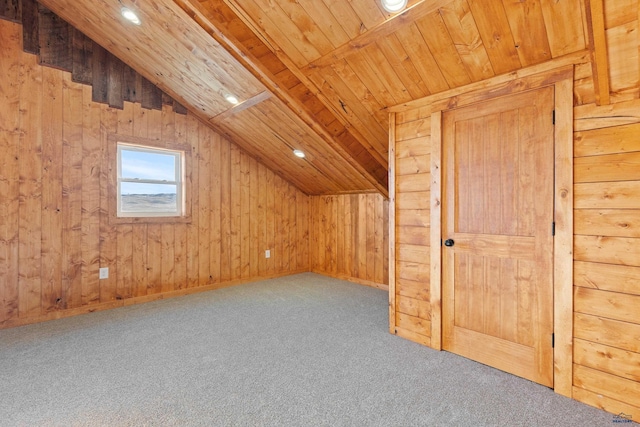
[(607, 277), (350, 238), (612, 305), (609, 359), (613, 386), (55, 231), (605, 403), (606, 242), (607, 222), (412, 173), (612, 250), (607, 252), (608, 195), (607, 140), (610, 167), (610, 332)]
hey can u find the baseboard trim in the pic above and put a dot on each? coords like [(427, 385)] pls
[(354, 280), (61, 314)]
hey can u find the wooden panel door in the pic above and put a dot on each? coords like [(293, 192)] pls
[(498, 159)]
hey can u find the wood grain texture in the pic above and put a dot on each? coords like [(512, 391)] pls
[(604, 358), (411, 310), (56, 197), (564, 235), (613, 386), (9, 167), (356, 252), (598, 47), (607, 277), (611, 305), (609, 332), (606, 268), (605, 403), (391, 227), (410, 153), (435, 231)]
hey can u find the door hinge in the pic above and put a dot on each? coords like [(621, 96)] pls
[(553, 340), (553, 117), (553, 228)]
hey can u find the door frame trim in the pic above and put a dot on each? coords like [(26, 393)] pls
[(562, 80)]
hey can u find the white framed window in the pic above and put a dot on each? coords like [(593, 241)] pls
[(150, 181)]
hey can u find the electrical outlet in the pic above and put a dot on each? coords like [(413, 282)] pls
[(267, 253), (104, 273)]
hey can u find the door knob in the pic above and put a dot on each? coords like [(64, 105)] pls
[(449, 242)]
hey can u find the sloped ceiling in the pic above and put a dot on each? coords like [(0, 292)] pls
[(319, 75)]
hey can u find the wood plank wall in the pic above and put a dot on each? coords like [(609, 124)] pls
[(412, 226), (349, 238), (57, 44), (606, 369), (606, 312), (54, 227)]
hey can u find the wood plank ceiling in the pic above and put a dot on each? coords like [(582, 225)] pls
[(319, 75)]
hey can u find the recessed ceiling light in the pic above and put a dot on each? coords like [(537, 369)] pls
[(394, 6), (232, 99), (130, 15), (299, 153)]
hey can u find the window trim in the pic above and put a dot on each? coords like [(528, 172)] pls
[(113, 165), (178, 181)]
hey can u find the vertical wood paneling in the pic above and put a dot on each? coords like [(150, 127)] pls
[(223, 271), (125, 244), (108, 232), (270, 220), (72, 193), (302, 219), (254, 231), (30, 196), (155, 261), (293, 229), (55, 230), (212, 150), (180, 230), (262, 214), (168, 231), (348, 237), (193, 228), (204, 207), (52, 190), (245, 216), (90, 199), (277, 209), (138, 126), (9, 169)]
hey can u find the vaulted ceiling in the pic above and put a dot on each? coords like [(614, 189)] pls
[(320, 75)]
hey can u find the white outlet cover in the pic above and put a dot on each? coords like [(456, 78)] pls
[(267, 253), (104, 273)]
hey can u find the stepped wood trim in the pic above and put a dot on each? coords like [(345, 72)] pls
[(56, 232)]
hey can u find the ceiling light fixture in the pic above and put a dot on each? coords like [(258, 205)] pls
[(130, 15), (394, 6), (299, 153), (232, 99)]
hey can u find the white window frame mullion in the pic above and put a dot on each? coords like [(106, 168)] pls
[(178, 181)]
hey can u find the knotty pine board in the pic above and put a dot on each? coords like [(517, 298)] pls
[(55, 231)]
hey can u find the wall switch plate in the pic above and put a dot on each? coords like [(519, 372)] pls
[(267, 253), (104, 273)]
